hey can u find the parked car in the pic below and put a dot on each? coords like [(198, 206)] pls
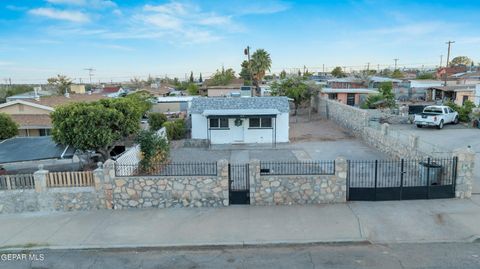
[(436, 116)]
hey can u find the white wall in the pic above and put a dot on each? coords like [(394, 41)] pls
[(235, 135)]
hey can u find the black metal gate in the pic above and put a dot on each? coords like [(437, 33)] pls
[(383, 180), (239, 184)]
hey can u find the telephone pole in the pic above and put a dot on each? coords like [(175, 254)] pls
[(448, 54), (90, 73), (368, 67), (396, 60)]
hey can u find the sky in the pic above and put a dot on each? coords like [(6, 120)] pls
[(124, 39)]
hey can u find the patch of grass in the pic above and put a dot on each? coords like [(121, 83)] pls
[(24, 246)]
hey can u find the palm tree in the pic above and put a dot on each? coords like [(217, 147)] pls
[(260, 64)]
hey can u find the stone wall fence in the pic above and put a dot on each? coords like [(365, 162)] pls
[(298, 189)]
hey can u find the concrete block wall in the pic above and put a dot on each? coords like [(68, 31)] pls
[(298, 189)]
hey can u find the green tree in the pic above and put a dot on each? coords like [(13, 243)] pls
[(222, 77), (143, 99), (294, 88), (283, 74), (175, 129), (192, 89), (397, 74), (464, 111), (191, 79), (155, 149), (200, 79), (385, 97), (246, 74), (260, 64), (426, 75), (156, 120), (338, 72), (97, 126), (8, 128), (11, 90), (61, 82), (460, 60)]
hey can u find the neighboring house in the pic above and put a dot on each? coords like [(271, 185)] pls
[(374, 82), (346, 83), (351, 97), (467, 78), (240, 120), (113, 92), (29, 152), (415, 89), (77, 88), (459, 93), (33, 115), (36, 93), (448, 71), (220, 90), (172, 104), (229, 91)]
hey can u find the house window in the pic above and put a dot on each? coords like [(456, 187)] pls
[(464, 99), (45, 132), (260, 122), (351, 99), (218, 123), (332, 96)]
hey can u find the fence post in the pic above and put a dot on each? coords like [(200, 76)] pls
[(254, 178), (40, 179), (341, 172), (98, 177), (376, 178), (465, 172), (222, 175), (108, 183)]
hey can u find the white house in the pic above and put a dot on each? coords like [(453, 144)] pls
[(225, 120)]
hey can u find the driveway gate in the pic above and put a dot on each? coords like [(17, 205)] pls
[(239, 184), (382, 180)]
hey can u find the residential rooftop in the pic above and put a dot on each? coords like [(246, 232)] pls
[(20, 149), (199, 105), (53, 101)]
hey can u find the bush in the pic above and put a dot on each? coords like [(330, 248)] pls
[(175, 129), (8, 128), (156, 120), (463, 111), (155, 149)]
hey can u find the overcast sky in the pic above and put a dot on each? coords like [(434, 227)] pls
[(122, 39)]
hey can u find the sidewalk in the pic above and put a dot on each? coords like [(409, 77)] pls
[(377, 222)]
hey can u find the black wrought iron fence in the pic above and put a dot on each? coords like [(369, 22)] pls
[(297, 168), (401, 179), (169, 169)]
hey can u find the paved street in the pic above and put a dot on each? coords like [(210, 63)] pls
[(435, 255)]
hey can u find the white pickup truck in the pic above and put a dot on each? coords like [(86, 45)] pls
[(436, 116)]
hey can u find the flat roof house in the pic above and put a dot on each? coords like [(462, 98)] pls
[(231, 120), (351, 97)]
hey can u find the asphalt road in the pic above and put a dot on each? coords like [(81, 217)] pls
[(437, 255)]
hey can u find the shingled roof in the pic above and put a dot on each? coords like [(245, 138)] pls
[(199, 105)]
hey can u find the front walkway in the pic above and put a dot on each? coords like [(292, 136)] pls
[(380, 222)]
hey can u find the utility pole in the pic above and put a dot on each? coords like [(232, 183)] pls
[(449, 43), (396, 60), (448, 54), (90, 73)]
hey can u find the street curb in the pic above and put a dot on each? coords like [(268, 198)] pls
[(200, 246)]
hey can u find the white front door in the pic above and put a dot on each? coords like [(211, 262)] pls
[(237, 132)]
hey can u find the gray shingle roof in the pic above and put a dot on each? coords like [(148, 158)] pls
[(231, 103), (19, 149)]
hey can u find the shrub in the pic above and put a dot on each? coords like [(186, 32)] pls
[(8, 128), (156, 120), (154, 148), (463, 111), (175, 129)]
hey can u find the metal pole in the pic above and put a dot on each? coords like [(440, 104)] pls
[(401, 178), (376, 176), (428, 178)]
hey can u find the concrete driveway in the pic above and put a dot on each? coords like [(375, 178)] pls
[(313, 139), (451, 137)]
